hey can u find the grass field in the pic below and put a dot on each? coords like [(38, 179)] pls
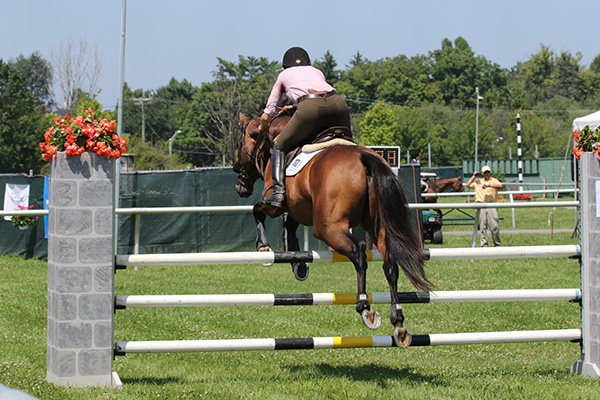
[(498, 371)]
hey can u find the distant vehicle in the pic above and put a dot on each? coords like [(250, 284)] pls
[(432, 227)]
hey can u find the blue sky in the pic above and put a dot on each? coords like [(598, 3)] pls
[(183, 38)]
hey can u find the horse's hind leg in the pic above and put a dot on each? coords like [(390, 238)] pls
[(402, 336), (342, 241), (290, 241)]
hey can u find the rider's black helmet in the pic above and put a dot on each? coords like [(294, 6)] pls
[(295, 56)]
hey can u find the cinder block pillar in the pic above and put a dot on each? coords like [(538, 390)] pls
[(589, 185), (80, 270)]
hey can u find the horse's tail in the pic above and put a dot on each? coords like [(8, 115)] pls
[(401, 240)]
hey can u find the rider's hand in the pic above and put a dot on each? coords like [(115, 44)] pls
[(265, 120)]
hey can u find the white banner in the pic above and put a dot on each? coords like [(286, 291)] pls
[(15, 196)]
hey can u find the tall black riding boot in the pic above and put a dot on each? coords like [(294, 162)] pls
[(277, 198)]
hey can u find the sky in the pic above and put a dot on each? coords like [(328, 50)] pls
[(183, 39)]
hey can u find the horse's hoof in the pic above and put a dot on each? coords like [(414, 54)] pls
[(301, 270), (402, 337), (263, 249), (371, 319)]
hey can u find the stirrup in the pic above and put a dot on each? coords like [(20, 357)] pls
[(275, 199)]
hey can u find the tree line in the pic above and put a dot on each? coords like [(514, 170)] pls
[(414, 102)]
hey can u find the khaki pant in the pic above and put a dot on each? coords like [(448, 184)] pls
[(488, 218), (312, 117)]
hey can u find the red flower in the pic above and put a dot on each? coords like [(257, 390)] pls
[(76, 135)]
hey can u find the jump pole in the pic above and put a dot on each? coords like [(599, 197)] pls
[(316, 299), (255, 257), (441, 339)]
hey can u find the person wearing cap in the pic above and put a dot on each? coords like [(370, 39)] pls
[(486, 191), (318, 107), (414, 157)]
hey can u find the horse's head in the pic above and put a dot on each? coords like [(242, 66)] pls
[(254, 150), (458, 186), (252, 155)]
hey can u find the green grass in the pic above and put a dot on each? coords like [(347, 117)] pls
[(524, 218), (503, 371)]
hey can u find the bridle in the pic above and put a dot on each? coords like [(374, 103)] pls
[(257, 157)]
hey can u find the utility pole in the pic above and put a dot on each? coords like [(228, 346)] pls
[(140, 101), (475, 167)]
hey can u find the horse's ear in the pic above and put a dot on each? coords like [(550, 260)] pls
[(243, 118)]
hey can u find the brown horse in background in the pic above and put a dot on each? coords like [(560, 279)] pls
[(340, 188), (435, 186)]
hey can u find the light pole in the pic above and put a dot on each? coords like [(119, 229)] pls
[(477, 126), (171, 146)]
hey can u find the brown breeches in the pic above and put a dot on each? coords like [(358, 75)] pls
[(311, 118)]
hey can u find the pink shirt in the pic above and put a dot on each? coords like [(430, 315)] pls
[(296, 82)]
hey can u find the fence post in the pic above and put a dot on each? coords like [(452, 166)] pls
[(519, 153), (81, 270), (589, 186)]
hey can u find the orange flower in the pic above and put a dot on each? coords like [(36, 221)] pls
[(76, 135)]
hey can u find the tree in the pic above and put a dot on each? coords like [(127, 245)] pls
[(457, 72), (565, 80), (327, 65), (76, 71), (409, 128), (357, 60), (379, 127), (38, 77), (21, 123), (213, 118)]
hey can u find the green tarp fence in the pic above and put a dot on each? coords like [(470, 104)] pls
[(173, 233), (192, 232)]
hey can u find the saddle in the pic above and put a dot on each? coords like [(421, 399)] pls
[(336, 135)]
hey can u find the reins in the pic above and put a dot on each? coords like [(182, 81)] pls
[(257, 156), (260, 162)]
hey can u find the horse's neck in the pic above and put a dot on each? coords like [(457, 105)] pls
[(444, 184)]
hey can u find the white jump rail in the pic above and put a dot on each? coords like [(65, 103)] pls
[(419, 206), (440, 339), (328, 299), (268, 257), (31, 213), (507, 192)]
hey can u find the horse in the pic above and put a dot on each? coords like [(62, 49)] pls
[(341, 187), (441, 185)]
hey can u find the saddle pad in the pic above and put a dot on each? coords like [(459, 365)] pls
[(299, 162)]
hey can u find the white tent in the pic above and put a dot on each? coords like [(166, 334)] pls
[(593, 120)]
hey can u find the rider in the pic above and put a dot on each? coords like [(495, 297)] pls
[(318, 107)]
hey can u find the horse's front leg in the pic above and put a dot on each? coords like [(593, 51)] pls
[(402, 336), (290, 241), (262, 242)]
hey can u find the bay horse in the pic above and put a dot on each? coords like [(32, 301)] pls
[(340, 188), (441, 185)]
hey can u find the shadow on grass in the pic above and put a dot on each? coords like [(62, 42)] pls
[(150, 381), (373, 373)]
